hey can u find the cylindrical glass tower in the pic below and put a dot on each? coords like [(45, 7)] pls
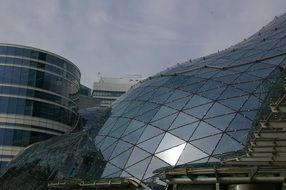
[(38, 97)]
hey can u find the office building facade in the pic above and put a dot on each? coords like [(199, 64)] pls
[(38, 97), (108, 89)]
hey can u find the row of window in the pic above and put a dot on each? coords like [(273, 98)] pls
[(38, 79), (37, 94), (107, 93), (23, 62), (14, 137), (23, 52), (38, 109)]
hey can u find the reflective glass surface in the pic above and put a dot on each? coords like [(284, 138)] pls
[(194, 112)]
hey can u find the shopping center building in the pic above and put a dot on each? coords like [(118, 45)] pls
[(203, 124)]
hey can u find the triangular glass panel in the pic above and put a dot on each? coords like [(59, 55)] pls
[(227, 79), (147, 107), (107, 153), (121, 159), (221, 122), (262, 73), (154, 164), (165, 122), (150, 132), (169, 141), (178, 104), (120, 147), (147, 93), (137, 155), (227, 144), (248, 86), (204, 130), (252, 103), (163, 112), (193, 88), (213, 94), (201, 161), (184, 132), (133, 108), (134, 136), (199, 111), (234, 103), (190, 154), (250, 114), (107, 142), (196, 101), (114, 175), (183, 119), (110, 169), (207, 144), (125, 174), (177, 94), (239, 122), (218, 109), (119, 128), (152, 144), (240, 136), (246, 78), (172, 155), (147, 116), (231, 92), (176, 81), (210, 84), (161, 95), (138, 170), (133, 126)]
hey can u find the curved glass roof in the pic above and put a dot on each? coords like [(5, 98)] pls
[(194, 112)]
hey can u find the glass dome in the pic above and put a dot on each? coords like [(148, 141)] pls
[(195, 112)]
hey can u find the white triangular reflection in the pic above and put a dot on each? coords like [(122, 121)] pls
[(172, 155)]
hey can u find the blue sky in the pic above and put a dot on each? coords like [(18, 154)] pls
[(121, 37)]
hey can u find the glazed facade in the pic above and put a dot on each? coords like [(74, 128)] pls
[(194, 113), (38, 97)]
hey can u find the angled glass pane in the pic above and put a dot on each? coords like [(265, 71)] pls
[(110, 169), (213, 94), (172, 155), (150, 132), (169, 141), (178, 104), (138, 170), (184, 132), (246, 78), (137, 155), (235, 103), (231, 92), (133, 126), (190, 154), (199, 111), (134, 136), (183, 119), (239, 122), (147, 116), (107, 153), (204, 130), (163, 112), (240, 136), (218, 109), (177, 94), (152, 144), (221, 122), (161, 95), (107, 142), (248, 86), (165, 123), (227, 144), (252, 103), (154, 164), (121, 160), (207, 144), (120, 147), (197, 101)]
